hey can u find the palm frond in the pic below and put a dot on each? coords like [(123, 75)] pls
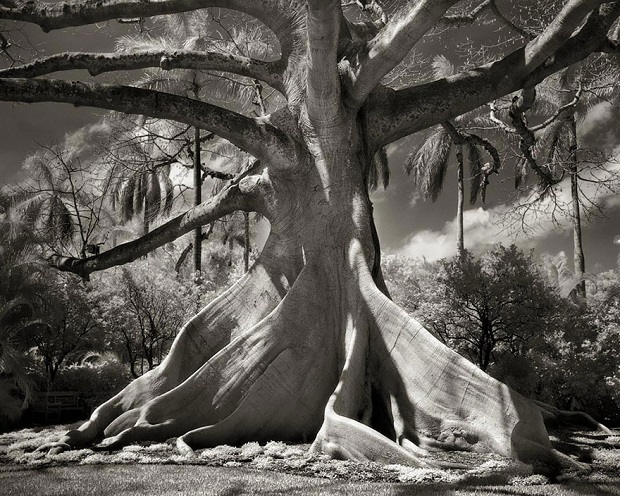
[(152, 196), (442, 67), (521, 172), (127, 198), (60, 219), (428, 163), (167, 190), (38, 169)]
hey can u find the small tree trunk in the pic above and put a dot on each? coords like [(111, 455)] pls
[(460, 242), (246, 244), (579, 259), (197, 201)]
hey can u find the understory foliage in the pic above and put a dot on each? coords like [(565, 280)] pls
[(60, 333), (503, 312), (143, 306)]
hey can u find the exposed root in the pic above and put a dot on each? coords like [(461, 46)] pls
[(443, 401), (331, 357), (552, 414), (345, 438), (235, 311), (271, 382)]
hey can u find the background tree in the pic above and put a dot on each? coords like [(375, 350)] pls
[(496, 304), (306, 339), (73, 329), (143, 306), (23, 306)]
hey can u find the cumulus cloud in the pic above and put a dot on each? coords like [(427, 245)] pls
[(484, 228)]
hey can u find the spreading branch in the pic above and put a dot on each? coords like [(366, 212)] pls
[(254, 135), (555, 35), (99, 63), (395, 114), (519, 106), (277, 15), (240, 194), (394, 42)]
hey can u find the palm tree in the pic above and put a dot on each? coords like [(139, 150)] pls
[(61, 199), (145, 193), (559, 141), (427, 163), (24, 299)]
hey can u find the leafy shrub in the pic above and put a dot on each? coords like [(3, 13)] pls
[(96, 381)]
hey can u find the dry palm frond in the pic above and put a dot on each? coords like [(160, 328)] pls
[(378, 171)]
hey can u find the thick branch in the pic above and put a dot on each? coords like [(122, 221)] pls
[(465, 19), (555, 35), (253, 135), (394, 114), (461, 137), (278, 15), (98, 63), (395, 41), (323, 80)]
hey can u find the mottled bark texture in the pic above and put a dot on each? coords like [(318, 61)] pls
[(306, 346)]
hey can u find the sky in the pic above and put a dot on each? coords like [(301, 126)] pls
[(407, 224)]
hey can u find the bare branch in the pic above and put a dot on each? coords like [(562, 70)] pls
[(560, 113), (98, 63), (395, 41), (465, 19), (501, 17), (254, 135)]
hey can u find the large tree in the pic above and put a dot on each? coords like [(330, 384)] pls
[(307, 345)]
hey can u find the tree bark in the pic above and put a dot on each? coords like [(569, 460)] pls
[(246, 241)]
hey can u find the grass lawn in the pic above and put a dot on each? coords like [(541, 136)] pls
[(278, 468)]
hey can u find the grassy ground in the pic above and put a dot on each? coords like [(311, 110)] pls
[(278, 468)]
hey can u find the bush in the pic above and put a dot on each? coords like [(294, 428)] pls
[(96, 382)]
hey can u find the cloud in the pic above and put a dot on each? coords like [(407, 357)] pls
[(484, 228), (597, 118), (481, 231)]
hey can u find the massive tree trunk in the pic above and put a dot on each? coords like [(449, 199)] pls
[(306, 345)]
